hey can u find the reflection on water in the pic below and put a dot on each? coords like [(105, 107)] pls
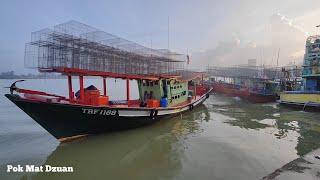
[(142, 153), (281, 119)]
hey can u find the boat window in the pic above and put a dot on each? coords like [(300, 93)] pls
[(156, 83), (151, 83), (178, 96), (147, 83)]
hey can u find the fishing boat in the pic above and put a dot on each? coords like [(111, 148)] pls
[(253, 83), (308, 96), (253, 90), (163, 90)]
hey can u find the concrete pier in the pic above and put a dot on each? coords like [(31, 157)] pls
[(306, 168)]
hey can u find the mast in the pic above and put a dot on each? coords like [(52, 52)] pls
[(168, 43), (278, 57), (168, 33)]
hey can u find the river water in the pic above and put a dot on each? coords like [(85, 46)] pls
[(226, 138)]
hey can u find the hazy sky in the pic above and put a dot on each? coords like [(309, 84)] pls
[(212, 31)]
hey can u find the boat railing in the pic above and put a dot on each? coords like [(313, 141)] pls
[(261, 91), (302, 92)]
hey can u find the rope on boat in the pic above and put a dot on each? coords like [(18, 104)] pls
[(153, 113)]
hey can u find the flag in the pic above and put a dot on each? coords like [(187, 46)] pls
[(188, 59)]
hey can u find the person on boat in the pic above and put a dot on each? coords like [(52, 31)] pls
[(144, 100)]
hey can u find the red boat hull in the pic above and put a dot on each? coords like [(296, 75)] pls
[(231, 90)]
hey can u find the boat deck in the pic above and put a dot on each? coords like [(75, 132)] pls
[(136, 103), (121, 104)]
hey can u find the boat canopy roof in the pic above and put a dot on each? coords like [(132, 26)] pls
[(178, 75)]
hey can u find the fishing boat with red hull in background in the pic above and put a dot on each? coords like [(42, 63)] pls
[(243, 92), (78, 50), (251, 83)]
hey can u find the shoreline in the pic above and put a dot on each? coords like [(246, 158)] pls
[(305, 167)]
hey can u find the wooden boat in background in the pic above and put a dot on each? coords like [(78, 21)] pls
[(254, 96), (254, 83)]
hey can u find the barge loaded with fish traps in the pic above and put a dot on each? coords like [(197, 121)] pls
[(78, 50)]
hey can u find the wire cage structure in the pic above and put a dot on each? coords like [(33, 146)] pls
[(79, 46)]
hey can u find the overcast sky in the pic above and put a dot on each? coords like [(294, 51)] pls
[(213, 31)]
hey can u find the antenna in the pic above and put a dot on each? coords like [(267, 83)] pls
[(187, 59), (168, 42), (278, 57), (151, 39), (168, 32)]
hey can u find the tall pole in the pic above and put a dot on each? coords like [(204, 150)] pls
[(151, 42), (168, 33), (278, 57), (168, 45), (188, 59)]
